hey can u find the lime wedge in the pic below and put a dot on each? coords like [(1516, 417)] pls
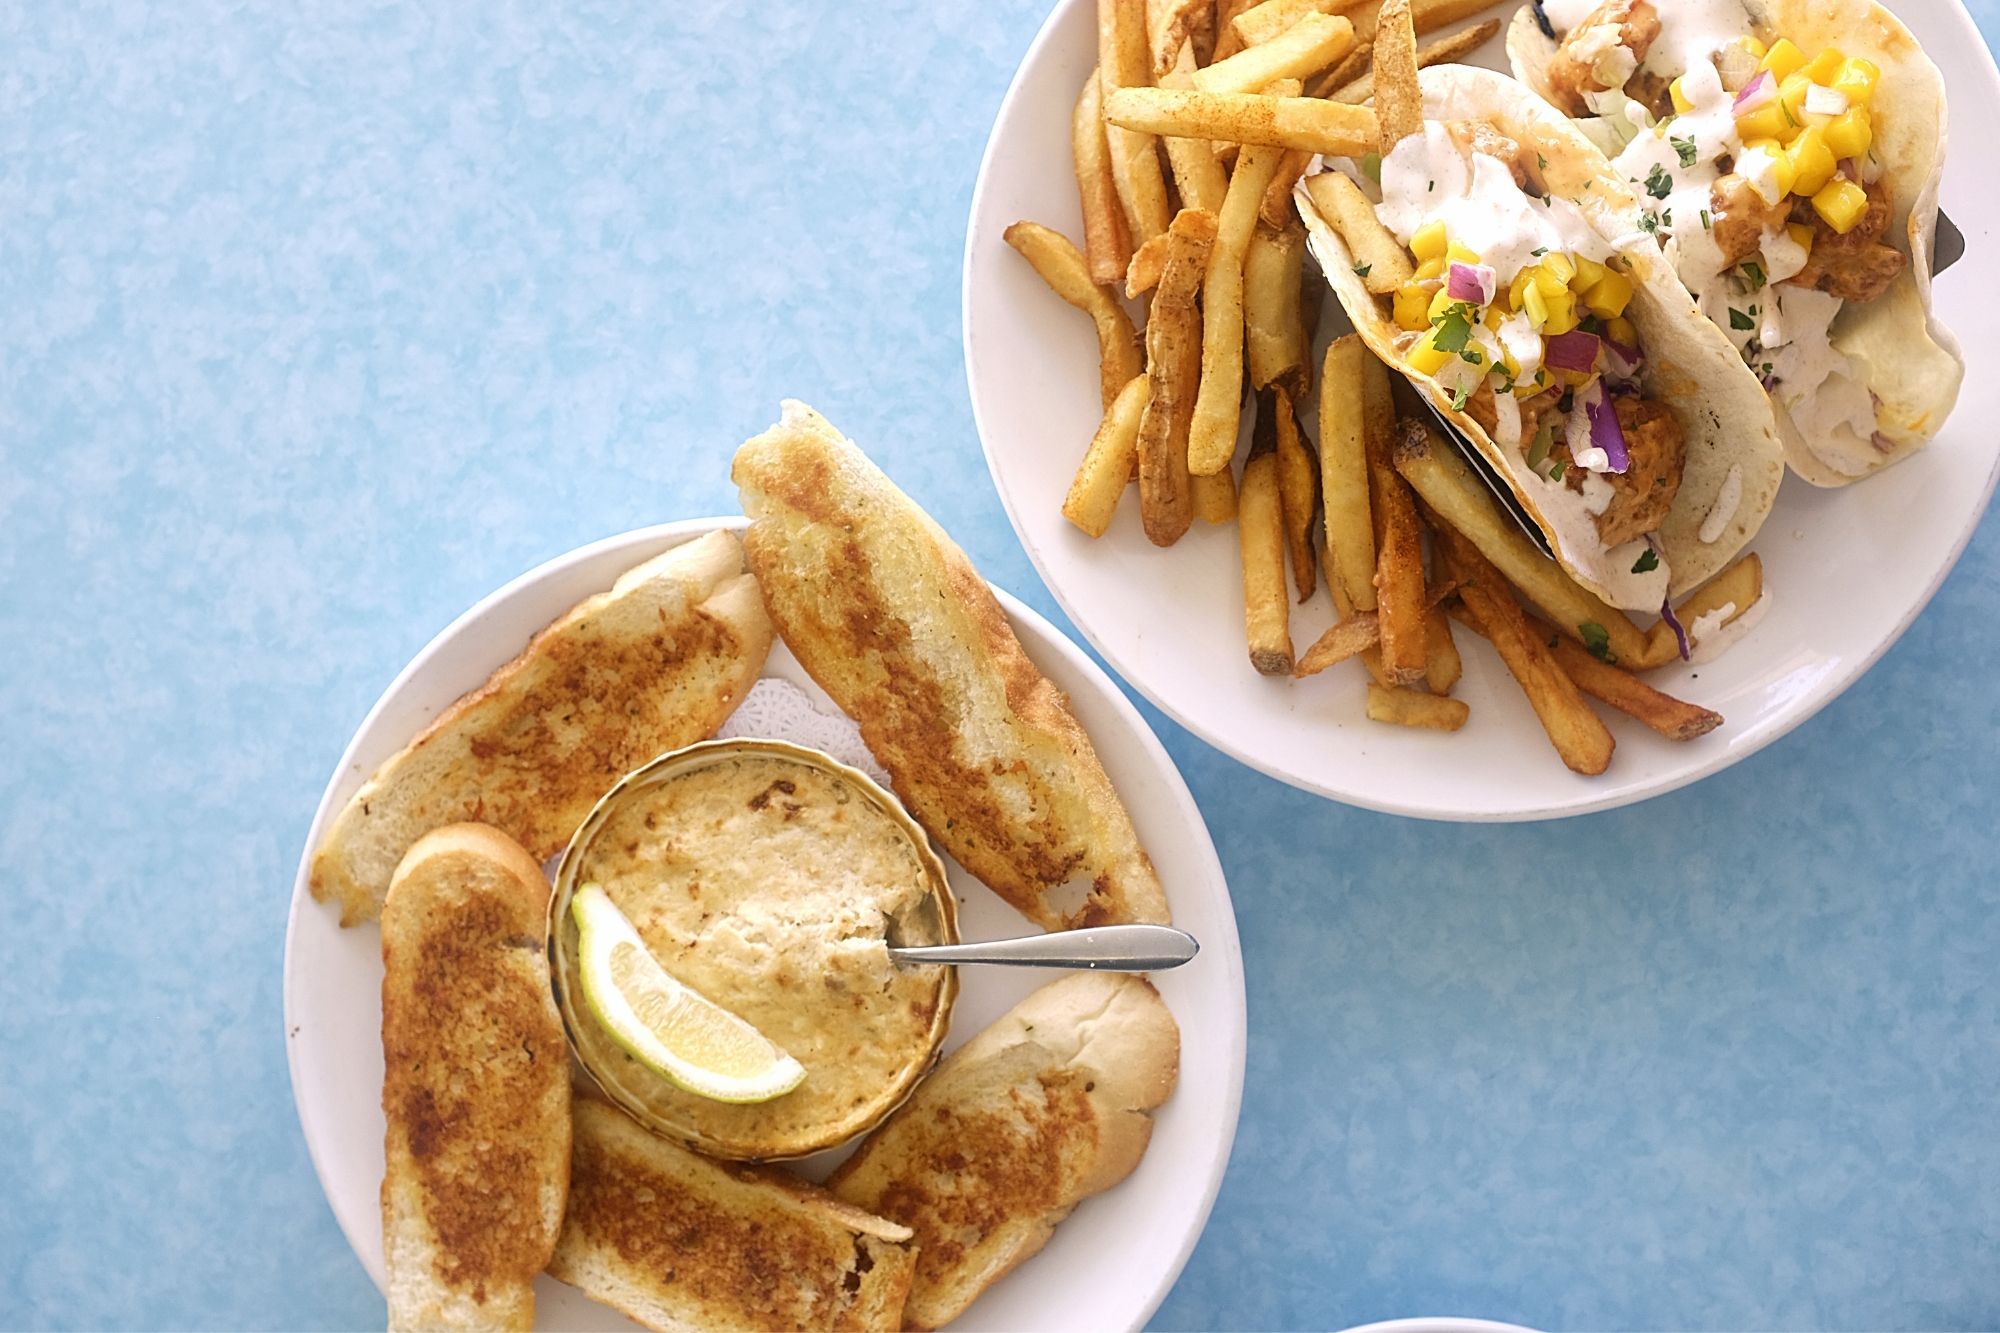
[(670, 1028)]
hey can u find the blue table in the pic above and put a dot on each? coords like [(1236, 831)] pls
[(315, 326)]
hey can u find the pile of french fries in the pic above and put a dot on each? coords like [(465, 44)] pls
[(1188, 138)]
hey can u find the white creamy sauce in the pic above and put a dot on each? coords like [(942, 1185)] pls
[(1597, 492), (1427, 177), (1815, 382), (1710, 637), (1566, 14), (1681, 154), (1724, 508), (1506, 421), (1693, 30)]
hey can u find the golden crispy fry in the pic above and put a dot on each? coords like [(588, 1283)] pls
[(1122, 62), (1578, 734), (1106, 243), (1169, 25), (1414, 708), (1399, 102), (1277, 207), (1739, 586), (1246, 118), (1314, 43), (1107, 464), (1351, 67), (1173, 365), (1399, 574), (1343, 470), (1445, 666), (1426, 15), (1350, 637), (1371, 656), (1261, 535), (1261, 22), (1198, 173), (1298, 486), (1212, 437), (1379, 258), (1673, 718), (1274, 328), (1063, 267), (1443, 51), (1214, 496), (1460, 501), (1228, 41), (1143, 274)]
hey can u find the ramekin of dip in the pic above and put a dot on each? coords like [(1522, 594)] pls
[(770, 878)]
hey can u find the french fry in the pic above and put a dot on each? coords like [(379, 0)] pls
[(1173, 365), (1739, 586), (1198, 175), (1214, 496), (1380, 260), (1106, 243), (1356, 633), (1426, 15), (1444, 51), (1144, 272), (1352, 66), (1261, 22), (1371, 656), (1414, 708), (1067, 273), (1274, 329), (1445, 666), (1298, 485), (1399, 102), (1261, 536), (1343, 471), (1218, 406), (1227, 40), (1461, 502), (1169, 25), (1245, 118), (1673, 718), (1314, 43), (1107, 464), (1122, 63), (1578, 734), (1399, 573)]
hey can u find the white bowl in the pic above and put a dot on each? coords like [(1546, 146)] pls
[(1846, 571)]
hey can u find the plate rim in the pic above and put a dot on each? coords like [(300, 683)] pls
[(1230, 949), (1745, 744)]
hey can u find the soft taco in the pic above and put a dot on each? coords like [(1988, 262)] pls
[(1788, 154), (1504, 277)]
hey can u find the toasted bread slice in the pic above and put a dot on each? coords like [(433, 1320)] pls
[(892, 620), (656, 663), (679, 1242), (1043, 1109), (475, 1084)]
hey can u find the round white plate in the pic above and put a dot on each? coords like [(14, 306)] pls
[(1107, 1267), (1846, 571)]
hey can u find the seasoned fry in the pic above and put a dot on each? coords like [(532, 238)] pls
[(1106, 243), (1212, 437), (1371, 656), (1261, 536), (1578, 734), (1260, 23), (1414, 708), (1443, 51), (1274, 328), (1445, 665), (1298, 486), (1144, 273), (1173, 363), (1739, 586), (1399, 573), (1343, 470), (1198, 174), (1169, 25), (1673, 718), (1350, 637), (1426, 15), (1314, 43), (1379, 258), (1352, 67), (1107, 464), (1063, 267), (1399, 102), (1214, 496), (1227, 40), (1461, 502), (1277, 207), (1246, 118), (1123, 63)]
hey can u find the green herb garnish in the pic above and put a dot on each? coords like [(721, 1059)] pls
[(1452, 328), (1647, 562), (1739, 320), (1705, 226), (1658, 183), (1538, 452), (1686, 149), (1755, 273), (1597, 639), (1361, 270)]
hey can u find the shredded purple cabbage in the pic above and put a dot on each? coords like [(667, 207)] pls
[(1605, 432), (1680, 634)]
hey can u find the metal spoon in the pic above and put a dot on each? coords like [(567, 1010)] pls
[(1099, 948)]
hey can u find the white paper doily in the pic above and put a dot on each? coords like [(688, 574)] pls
[(777, 710)]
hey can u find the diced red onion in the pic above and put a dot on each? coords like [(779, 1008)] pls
[(1755, 93), (1623, 362), (1470, 282), (1674, 621), (1605, 432), (1824, 101), (1575, 350)]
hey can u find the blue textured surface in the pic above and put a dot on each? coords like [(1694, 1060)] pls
[(319, 321)]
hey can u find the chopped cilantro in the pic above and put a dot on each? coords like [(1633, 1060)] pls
[(1755, 272), (1647, 562), (1539, 252), (1458, 397), (1739, 320), (1452, 328), (1472, 357), (1686, 149), (1649, 223), (1361, 270), (1597, 639), (1541, 163), (1667, 218), (1658, 183), (1371, 167)]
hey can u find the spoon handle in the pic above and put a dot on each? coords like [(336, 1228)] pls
[(1132, 948)]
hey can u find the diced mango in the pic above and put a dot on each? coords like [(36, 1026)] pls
[(1534, 305), (1766, 122), (1413, 306), (1517, 289), (1783, 59), (1425, 356), (1608, 299), (1850, 133), (1857, 79), (1801, 234), (1753, 46), (1440, 303), (1822, 67), (1562, 316), (1841, 203), (1429, 241), (1588, 274), (1812, 161), (1792, 101), (1681, 104), (1493, 317), (1619, 329), (1559, 266), (1431, 268), (1459, 254)]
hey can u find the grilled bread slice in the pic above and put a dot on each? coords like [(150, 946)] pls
[(1043, 1109), (475, 1084), (892, 620), (679, 1242), (656, 663)]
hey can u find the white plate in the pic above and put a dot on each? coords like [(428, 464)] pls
[(1847, 570), (1108, 1266)]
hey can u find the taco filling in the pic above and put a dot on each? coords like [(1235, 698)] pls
[(1754, 165), (1517, 309)]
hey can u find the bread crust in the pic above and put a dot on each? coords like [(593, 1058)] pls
[(475, 1086), (893, 621)]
